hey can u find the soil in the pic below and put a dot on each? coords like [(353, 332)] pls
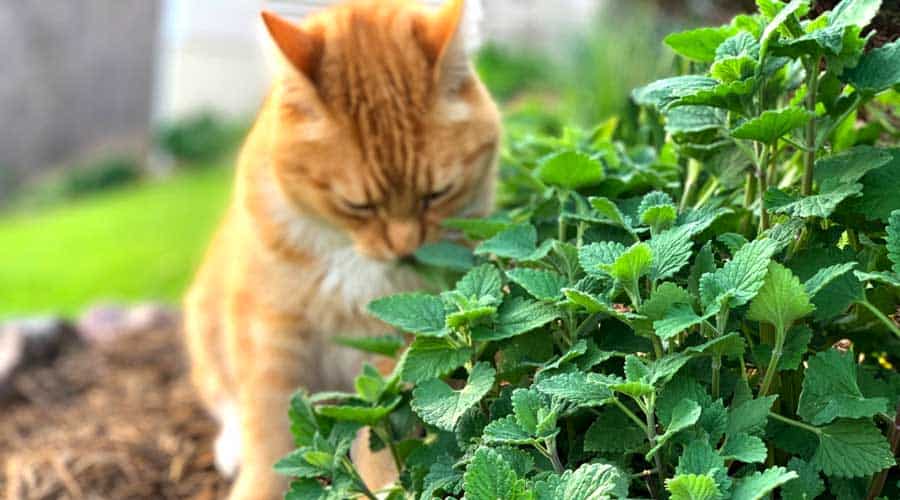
[(118, 422)]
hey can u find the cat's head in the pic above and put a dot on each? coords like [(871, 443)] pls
[(379, 123)]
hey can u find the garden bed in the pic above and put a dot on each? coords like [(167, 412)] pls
[(118, 422)]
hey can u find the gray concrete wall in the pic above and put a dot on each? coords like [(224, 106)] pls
[(77, 78)]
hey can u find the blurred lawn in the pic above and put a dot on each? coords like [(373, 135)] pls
[(125, 245)]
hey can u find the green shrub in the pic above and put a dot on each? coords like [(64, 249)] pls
[(107, 173), (199, 138), (700, 312)]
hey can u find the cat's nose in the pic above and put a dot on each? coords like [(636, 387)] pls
[(404, 237)]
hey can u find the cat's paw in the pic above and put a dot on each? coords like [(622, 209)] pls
[(227, 447)]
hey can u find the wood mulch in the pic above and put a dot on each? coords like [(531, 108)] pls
[(118, 422)]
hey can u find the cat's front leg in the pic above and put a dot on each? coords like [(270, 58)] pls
[(274, 356)]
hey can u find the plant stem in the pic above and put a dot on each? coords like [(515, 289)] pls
[(690, 183), (881, 316), (553, 455), (789, 421), (763, 183), (812, 90), (561, 229), (651, 435), (879, 480), (360, 484), (630, 414), (716, 370), (773, 363), (384, 434), (657, 346)]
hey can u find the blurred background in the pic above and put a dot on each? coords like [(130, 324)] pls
[(118, 119)]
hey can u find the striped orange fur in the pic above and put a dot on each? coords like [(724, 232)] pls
[(375, 131)]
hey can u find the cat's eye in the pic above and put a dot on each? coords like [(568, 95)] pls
[(358, 207), (437, 196)]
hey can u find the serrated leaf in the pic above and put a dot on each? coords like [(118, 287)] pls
[(728, 96), (825, 276), (893, 240), (517, 242), (891, 279), (358, 414), (671, 251), (679, 318), (609, 210), (745, 448), (478, 229), (733, 69), (830, 391), (699, 44), (837, 296), (634, 389), (441, 476), (589, 482), (807, 486), (295, 465), (857, 12), (877, 70), (304, 425), (758, 485), (699, 457), (740, 279), (820, 205), (852, 448), (661, 93), (515, 317), (879, 197), (526, 408), (685, 122), (632, 264), (385, 345), (442, 407), (663, 298), (849, 166), (772, 125), (785, 12), (415, 313), (429, 358), (570, 170), (596, 255), (446, 255), (731, 345), (506, 431), (580, 388), (482, 282), (781, 300), (489, 477), (685, 414), (795, 347), (613, 432), (693, 487), (541, 284), (749, 417)]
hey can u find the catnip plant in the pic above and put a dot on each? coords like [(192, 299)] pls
[(703, 311)]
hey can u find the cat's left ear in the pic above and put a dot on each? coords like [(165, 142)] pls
[(302, 48), (452, 36)]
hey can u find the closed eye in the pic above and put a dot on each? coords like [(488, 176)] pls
[(358, 207), (437, 196)]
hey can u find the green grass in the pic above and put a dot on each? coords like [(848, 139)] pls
[(127, 245)]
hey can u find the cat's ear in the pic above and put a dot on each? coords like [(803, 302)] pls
[(452, 36), (302, 48)]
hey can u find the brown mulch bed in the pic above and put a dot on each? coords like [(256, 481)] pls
[(119, 422)]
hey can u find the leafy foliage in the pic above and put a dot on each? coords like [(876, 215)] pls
[(653, 312)]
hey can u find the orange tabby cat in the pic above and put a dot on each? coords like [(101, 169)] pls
[(376, 130)]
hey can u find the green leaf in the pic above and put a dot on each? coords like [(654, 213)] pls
[(750, 417), (478, 229), (595, 256), (857, 12), (295, 465), (441, 476), (819, 205), (745, 448), (632, 264), (518, 242), (358, 414), (442, 407), (780, 18), (671, 251), (733, 69), (699, 457), (679, 318), (731, 345), (891, 279), (634, 389), (580, 388), (429, 358), (758, 485), (609, 210), (772, 125), (489, 477), (781, 300), (506, 431), (304, 425), (730, 96), (386, 345), (693, 487), (877, 71), (663, 298), (826, 276), (686, 122), (446, 255), (852, 448), (515, 317), (589, 482), (527, 405), (879, 197), (740, 279), (850, 166), (570, 170), (685, 414), (542, 285), (795, 347), (661, 93), (699, 44), (830, 391), (588, 302), (415, 313), (807, 486), (893, 240), (482, 281), (613, 432), (741, 44)]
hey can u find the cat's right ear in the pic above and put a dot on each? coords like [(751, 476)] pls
[(302, 48)]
